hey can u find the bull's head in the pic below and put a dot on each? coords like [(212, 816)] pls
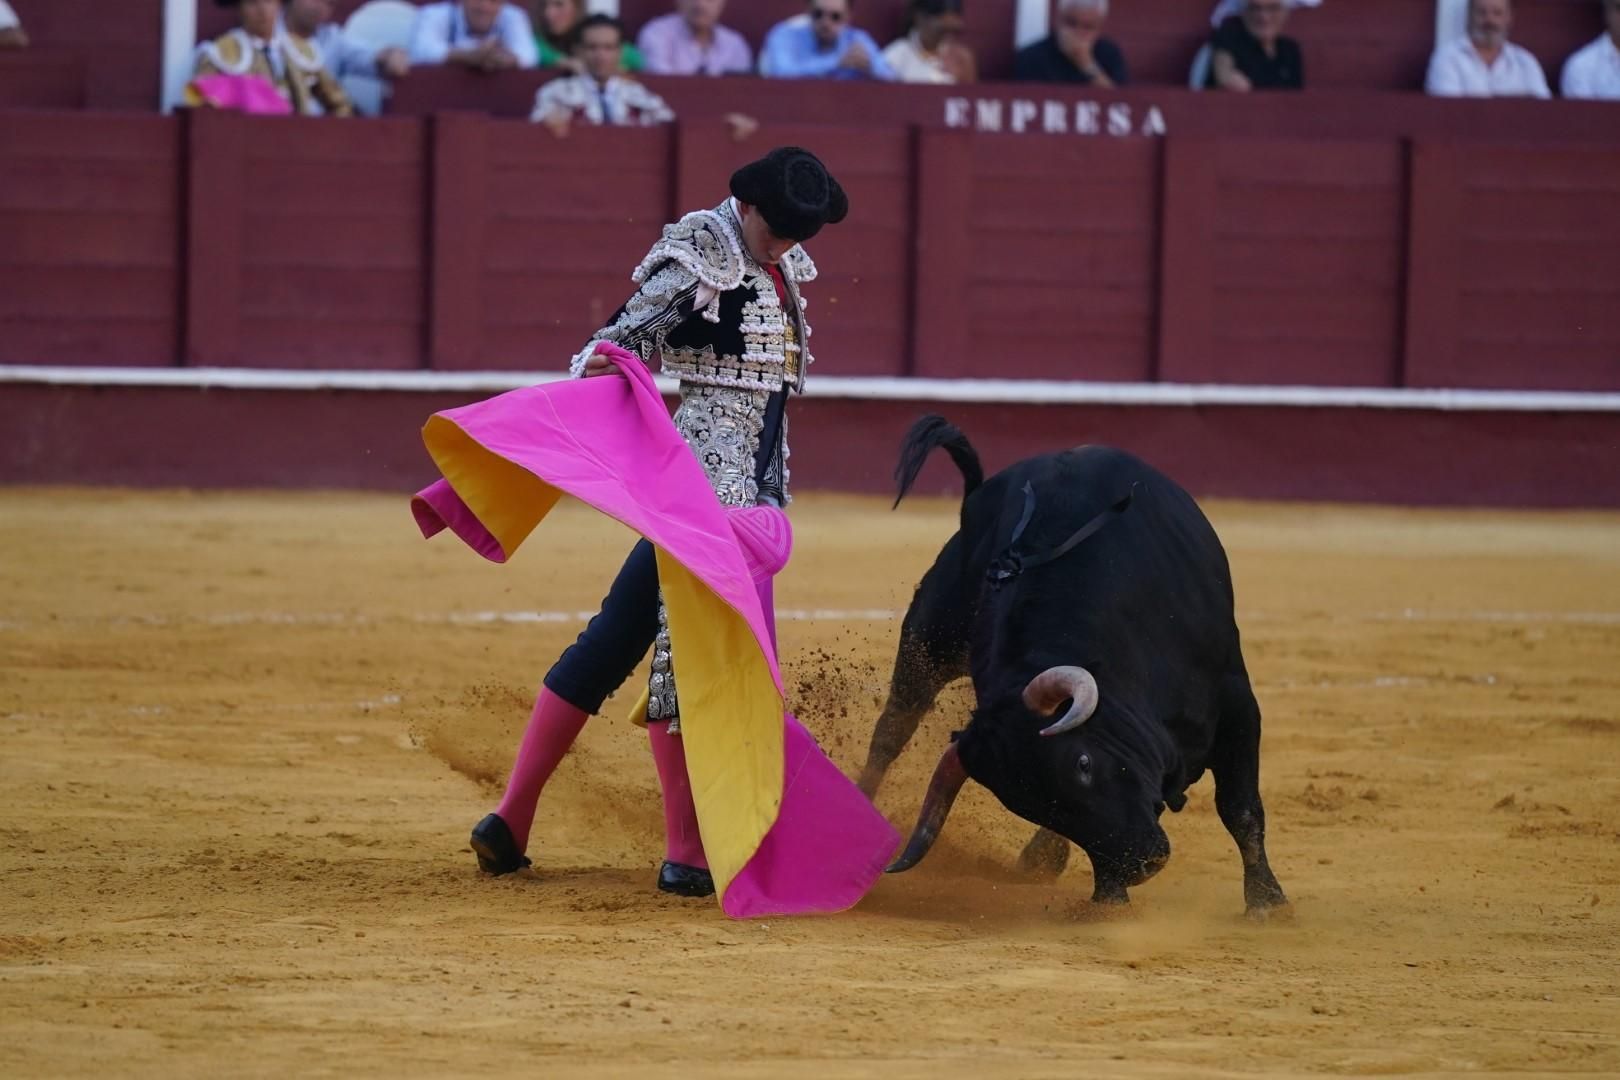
[(1080, 780)]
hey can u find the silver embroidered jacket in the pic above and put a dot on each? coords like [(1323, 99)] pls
[(712, 314)]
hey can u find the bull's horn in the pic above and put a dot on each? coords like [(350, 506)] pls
[(942, 789), (1053, 687)]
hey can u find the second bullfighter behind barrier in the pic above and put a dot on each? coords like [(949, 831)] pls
[(1084, 585)]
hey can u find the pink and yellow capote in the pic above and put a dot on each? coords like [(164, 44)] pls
[(784, 830)]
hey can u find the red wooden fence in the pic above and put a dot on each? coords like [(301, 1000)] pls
[(1410, 257)]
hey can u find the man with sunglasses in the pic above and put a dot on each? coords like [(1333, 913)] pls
[(822, 44), (1075, 51)]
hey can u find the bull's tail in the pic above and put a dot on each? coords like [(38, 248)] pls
[(927, 433)]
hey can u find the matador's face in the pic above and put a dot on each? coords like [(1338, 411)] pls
[(764, 246)]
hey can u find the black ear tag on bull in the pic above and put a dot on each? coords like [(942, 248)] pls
[(1012, 562)]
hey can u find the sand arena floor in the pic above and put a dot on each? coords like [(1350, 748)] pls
[(245, 737)]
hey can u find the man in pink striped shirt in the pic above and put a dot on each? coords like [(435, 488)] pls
[(691, 41)]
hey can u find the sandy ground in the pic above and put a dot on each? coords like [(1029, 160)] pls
[(245, 737)]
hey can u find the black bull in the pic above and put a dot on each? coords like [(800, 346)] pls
[(1089, 581)]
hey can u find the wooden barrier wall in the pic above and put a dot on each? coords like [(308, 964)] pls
[(462, 242)]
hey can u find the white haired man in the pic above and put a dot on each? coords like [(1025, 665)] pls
[(11, 31), (1594, 71), (1075, 51), (1484, 63)]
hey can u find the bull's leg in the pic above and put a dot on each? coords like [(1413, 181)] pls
[(1237, 793), (933, 653), (921, 670), (1045, 856)]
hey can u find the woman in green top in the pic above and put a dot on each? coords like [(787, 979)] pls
[(554, 25)]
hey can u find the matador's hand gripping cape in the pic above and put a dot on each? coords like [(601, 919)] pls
[(784, 830)]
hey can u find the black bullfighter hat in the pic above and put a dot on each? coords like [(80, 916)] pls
[(794, 191)]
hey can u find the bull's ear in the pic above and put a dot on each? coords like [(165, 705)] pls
[(1175, 800)]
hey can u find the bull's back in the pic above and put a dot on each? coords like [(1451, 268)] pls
[(1156, 570)]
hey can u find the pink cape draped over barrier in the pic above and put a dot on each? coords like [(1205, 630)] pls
[(610, 443), (242, 93)]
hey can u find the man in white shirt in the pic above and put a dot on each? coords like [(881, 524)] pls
[(600, 94), (1594, 72), (485, 35), (1485, 63), (11, 31)]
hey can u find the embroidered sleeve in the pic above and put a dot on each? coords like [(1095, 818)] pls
[(652, 108), (798, 265), (554, 97), (667, 297)]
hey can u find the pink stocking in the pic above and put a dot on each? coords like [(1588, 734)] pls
[(682, 842), (553, 727)]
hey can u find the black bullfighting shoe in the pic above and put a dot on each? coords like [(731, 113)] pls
[(682, 880), (497, 851)]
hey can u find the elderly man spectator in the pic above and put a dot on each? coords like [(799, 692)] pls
[(1484, 63), (1594, 71), (361, 70), (691, 41), (599, 94), (933, 51), (1075, 51), (484, 35), (11, 31), (1249, 52), (822, 44)]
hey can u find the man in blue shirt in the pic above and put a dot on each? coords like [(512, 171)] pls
[(485, 35), (822, 44)]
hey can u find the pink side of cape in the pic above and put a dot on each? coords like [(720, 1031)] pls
[(610, 443), (243, 93)]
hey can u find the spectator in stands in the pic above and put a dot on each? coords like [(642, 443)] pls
[(933, 52), (484, 35), (691, 41), (599, 94), (1075, 51), (556, 23), (261, 48), (1594, 71), (821, 44), (11, 31), (1249, 52), (359, 69), (1484, 63)]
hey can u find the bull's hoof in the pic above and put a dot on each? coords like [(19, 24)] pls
[(1044, 857), (1282, 911)]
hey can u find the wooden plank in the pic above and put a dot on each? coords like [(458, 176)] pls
[(41, 185), (91, 340), (458, 148), (45, 292), (942, 255), (67, 238), (1187, 260), (1434, 248), (215, 146), (282, 342)]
